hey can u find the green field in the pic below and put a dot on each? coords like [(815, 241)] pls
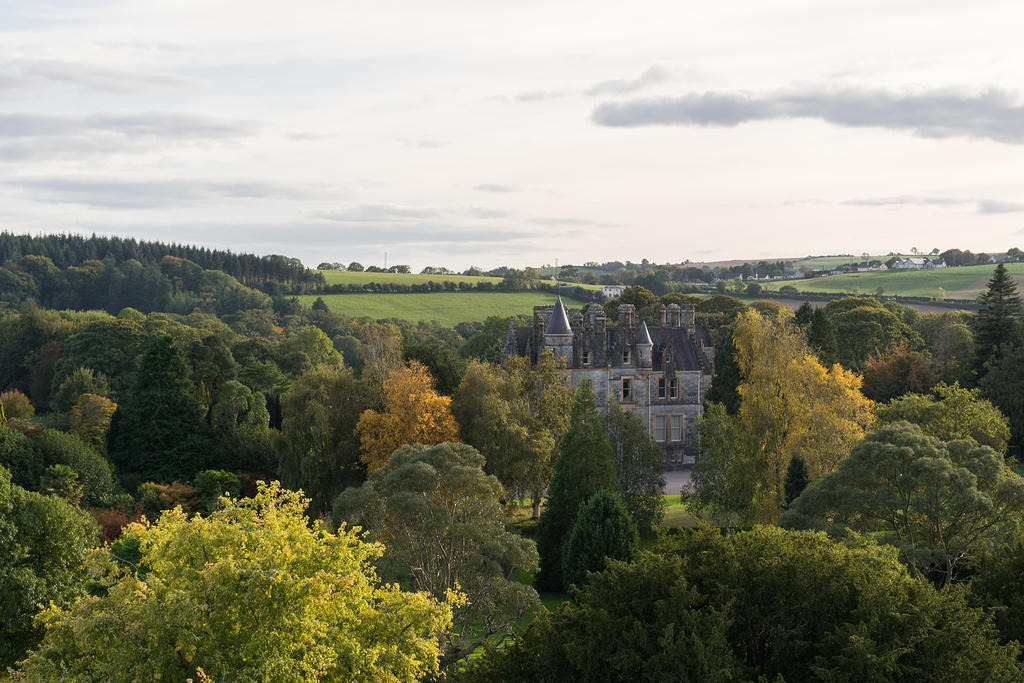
[(959, 283), (343, 277), (676, 514), (447, 308), (827, 262)]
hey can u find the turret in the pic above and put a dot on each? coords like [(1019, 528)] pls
[(558, 333), (644, 346)]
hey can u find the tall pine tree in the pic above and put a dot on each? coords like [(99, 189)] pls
[(583, 468), (159, 431), (997, 326)]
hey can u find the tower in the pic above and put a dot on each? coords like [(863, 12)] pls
[(558, 333)]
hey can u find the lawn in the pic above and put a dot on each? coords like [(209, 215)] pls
[(447, 308), (959, 283), (675, 514)]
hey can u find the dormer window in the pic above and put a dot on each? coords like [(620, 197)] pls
[(673, 388), (585, 357), (626, 357)]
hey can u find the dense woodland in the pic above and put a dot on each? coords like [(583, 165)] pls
[(859, 513)]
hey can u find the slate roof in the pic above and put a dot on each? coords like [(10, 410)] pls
[(559, 321)]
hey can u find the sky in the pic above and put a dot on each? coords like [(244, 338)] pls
[(477, 132)]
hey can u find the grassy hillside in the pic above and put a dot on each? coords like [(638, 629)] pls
[(335, 277), (447, 308), (827, 262), (959, 283)]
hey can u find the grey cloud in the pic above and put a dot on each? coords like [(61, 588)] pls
[(994, 114), (652, 76), (555, 222), (904, 200), (147, 194), (981, 206), (162, 124), (989, 206), (539, 95), (478, 212), (20, 75), (374, 213), (495, 187)]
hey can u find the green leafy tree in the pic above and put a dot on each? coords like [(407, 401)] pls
[(797, 478), (42, 541), (936, 501), (318, 448), (952, 412), (252, 592), (93, 472), (950, 343), (438, 516), (583, 468), (603, 530), (998, 321), (80, 381), (766, 604), (210, 485), (241, 421), (638, 466), (159, 431), (864, 328)]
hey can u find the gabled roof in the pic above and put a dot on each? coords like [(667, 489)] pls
[(559, 322)]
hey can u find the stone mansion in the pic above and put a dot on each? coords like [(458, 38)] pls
[(660, 373)]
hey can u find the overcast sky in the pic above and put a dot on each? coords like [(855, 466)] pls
[(487, 132)]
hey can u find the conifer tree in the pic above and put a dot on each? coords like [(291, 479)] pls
[(998, 322), (797, 478), (583, 468), (159, 431), (603, 529)]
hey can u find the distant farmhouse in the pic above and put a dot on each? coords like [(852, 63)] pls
[(660, 373), (612, 291), (918, 264)]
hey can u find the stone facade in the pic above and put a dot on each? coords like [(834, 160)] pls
[(660, 373)]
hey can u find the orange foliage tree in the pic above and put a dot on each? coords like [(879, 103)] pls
[(413, 413)]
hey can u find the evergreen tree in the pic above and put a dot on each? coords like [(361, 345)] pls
[(821, 337), (796, 478), (638, 464), (998, 322), (727, 378), (603, 529), (159, 431), (583, 468)]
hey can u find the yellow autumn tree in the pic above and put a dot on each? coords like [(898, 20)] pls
[(413, 413), (789, 405)]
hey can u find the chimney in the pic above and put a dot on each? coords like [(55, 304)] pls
[(626, 315)]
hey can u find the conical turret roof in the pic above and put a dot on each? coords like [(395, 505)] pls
[(559, 322), (645, 335)]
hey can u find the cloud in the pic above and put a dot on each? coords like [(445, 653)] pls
[(989, 206), (652, 76), (478, 212), (495, 187), (539, 95), (159, 124), (374, 213), (981, 206), (43, 136), (993, 113), (19, 76), (147, 193)]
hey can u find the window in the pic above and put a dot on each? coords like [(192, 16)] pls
[(627, 389), (673, 388), (661, 387), (677, 427), (659, 427), (625, 356), (585, 357)]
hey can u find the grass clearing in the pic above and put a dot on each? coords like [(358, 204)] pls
[(965, 282), (824, 262), (447, 308), (676, 515)]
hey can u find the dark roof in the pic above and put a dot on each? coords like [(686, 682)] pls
[(645, 336), (559, 322)]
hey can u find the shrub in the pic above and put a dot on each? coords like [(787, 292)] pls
[(16, 405), (210, 485)]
